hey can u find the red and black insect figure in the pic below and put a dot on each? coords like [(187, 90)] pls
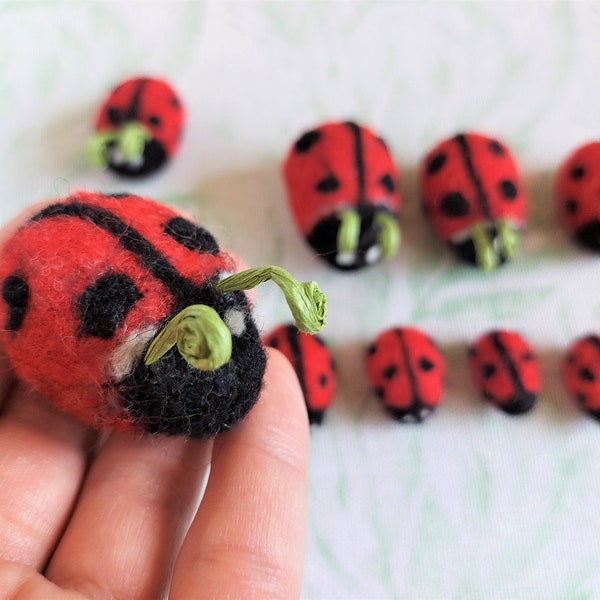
[(577, 191), (138, 128), (581, 374), (406, 369), (313, 364), (473, 199), (506, 371), (343, 191), (93, 285)]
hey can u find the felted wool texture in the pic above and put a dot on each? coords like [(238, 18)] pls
[(577, 184), (505, 370), (313, 364), (336, 166), (154, 104), (406, 370), (581, 373), (86, 284), (469, 179)]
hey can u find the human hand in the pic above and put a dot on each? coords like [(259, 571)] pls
[(114, 516)]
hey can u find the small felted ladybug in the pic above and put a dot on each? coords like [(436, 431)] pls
[(581, 374), (506, 371), (138, 128), (126, 314), (313, 364), (577, 191), (473, 199), (406, 370), (343, 191)]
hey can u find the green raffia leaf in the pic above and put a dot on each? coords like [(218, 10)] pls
[(389, 237), (132, 140), (509, 238), (97, 148), (306, 301), (485, 255), (349, 231)]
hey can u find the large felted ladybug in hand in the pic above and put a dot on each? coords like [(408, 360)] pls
[(127, 315), (473, 198), (343, 192), (138, 128)]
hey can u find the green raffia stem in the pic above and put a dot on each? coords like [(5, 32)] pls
[(201, 336), (485, 255), (306, 301), (349, 231), (97, 148), (130, 139), (389, 236), (509, 238)]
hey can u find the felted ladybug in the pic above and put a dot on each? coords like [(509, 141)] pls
[(138, 128), (473, 199), (406, 370), (343, 191), (313, 364), (577, 191), (581, 374), (506, 371), (125, 314)]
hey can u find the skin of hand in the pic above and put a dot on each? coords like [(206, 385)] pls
[(111, 515)]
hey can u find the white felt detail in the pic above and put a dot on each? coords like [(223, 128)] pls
[(236, 321), (125, 357), (373, 254), (345, 259)]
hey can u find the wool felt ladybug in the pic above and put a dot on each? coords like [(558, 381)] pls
[(406, 370), (313, 364), (577, 192), (127, 315), (581, 374), (343, 192), (473, 198), (138, 128), (505, 370)]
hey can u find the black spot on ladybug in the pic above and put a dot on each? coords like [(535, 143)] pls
[(307, 141), (390, 372), (508, 189), (454, 205), (104, 305), (323, 380), (496, 148), (577, 172), (571, 206), (329, 184), (15, 292), (154, 120), (488, 370), (380, 393), (387, 181), (115, 116), (426, 365), (372, 349), (436, 163), (191, 236), (586, 374)]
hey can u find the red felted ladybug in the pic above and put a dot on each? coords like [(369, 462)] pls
[(313, 364), (138, 128), (472, 197), (577, 190), (343, 191), (119, 310), (505, 370), (406, 370), (581, 374)]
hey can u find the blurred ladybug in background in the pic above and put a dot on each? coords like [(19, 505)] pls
[(506, 371), (343, 191), (138, 128), (577, 191), (313, 364), (472, 197), (406, 370), (581, 374)]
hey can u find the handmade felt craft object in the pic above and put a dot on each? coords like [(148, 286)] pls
[(473, 198), (577, 190), (138, 128), (127, 315), (581, 374), (505, 370), (313, 364), (343, 192), (406, 370)]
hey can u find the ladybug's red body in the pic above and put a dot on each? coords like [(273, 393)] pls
[(577, 190), (339, 169), (581, 374), (313, 364), (86, 285), (153, 104), (406, 370), (473, 198), (505, 370)]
